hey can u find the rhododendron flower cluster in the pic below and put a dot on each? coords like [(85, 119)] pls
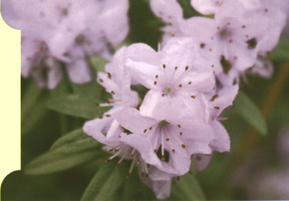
[(233, 38), (178, 115), (57, 32)]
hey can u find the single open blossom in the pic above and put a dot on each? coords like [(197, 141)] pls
[(177, 78), (65, 31)]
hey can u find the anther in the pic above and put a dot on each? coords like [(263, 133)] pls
[(96, 104), (266, 10), (163, 94), (178, 178), (163, 157), (167, 139), (110, 150), (155, 150), (112, 92), (100, 117), (202, 45), (157, 76), (173, 151), (155, 82), (108, 75), (212, 66), (216, 107), (214, 97), (189, 82), (100, 80), (193, 96), (139, 161), (169, 24), (181, 133), (164, 66), (243, 26), (180, 85), (107, 115), (184, 146), (179, 125), (176, 68), (150, 128), (187, 67), (145, 130), (128, 175)]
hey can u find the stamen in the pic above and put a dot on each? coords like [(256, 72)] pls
[(166, 134), (223, 118)]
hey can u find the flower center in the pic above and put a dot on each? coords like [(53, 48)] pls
[(223, 32), (168, 89)]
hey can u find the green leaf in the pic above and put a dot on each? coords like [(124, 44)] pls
[(250, 112), (77, 106), (98, 63), (106, 182), (188, 187), (73, 142), (281, 52), (51, 163)]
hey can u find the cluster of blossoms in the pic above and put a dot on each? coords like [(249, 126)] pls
[(177, 120), (56, 32), (236, 35)]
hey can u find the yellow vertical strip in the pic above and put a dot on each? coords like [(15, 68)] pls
[(9, 100)]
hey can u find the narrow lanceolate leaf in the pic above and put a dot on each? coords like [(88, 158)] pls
[(106, 182), (51, 163), (77, 106), (250, 112), (98, 63), (281, 52), (73, 142), (187, 188)]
